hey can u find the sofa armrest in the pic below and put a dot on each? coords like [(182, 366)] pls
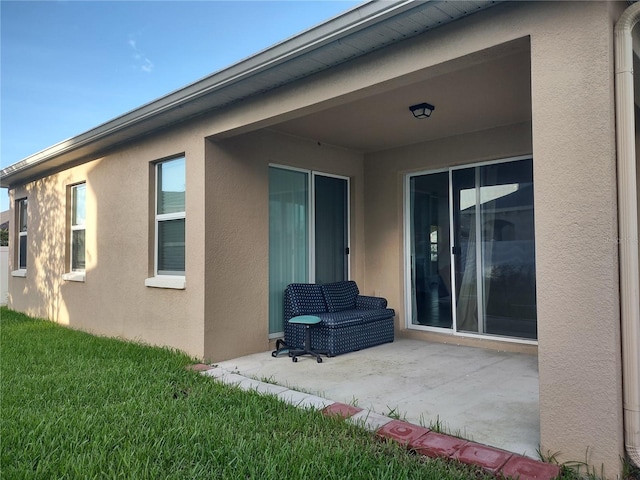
[(368, 303)]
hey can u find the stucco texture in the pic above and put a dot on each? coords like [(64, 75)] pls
[(576, 232), (113, 300)]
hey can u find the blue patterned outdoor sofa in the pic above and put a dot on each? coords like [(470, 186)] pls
[(349, 321)]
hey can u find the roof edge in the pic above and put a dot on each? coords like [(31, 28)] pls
[(340, 26)]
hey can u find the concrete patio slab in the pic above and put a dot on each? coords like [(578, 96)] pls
[(487, 396)]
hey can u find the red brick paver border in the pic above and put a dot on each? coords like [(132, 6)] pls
[(524, 468), (341, 410), (432, 444), (402, 432), (437, 445), (489, 458)]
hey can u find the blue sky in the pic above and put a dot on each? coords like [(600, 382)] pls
[(68, 66)]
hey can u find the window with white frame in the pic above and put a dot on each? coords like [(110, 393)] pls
[(78, 216), (21, 207), (170, 217)]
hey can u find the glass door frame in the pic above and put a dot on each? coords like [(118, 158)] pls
[(408, 300), (311, 227), (312, 220)]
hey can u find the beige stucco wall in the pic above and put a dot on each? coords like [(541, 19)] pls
[(577, 271), (237, 235), (113, 300)]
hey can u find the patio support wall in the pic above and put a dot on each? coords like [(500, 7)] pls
[(576, 232), (237, 235)]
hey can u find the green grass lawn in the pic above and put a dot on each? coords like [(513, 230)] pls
[(75, 405)]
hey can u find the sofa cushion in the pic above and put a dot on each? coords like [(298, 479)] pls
[(341, 319), (353, 317), (304, 299), (340, 296), (376, 314), (366, 302)]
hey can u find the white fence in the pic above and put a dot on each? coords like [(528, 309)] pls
[(4, 274)]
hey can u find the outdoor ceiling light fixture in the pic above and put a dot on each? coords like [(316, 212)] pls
[(422, 110)]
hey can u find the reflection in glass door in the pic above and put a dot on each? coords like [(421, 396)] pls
[(430, 257), (493, 249)]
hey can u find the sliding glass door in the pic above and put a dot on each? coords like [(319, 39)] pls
[(288, 237), (489, 245), (331, 228), (308, 233)]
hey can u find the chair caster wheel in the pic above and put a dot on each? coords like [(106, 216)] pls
[(294, 359), (319, 360)]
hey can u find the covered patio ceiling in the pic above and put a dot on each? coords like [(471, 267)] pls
[(481, 91)]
